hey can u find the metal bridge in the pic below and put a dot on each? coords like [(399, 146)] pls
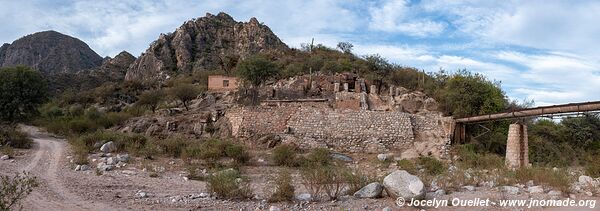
[(517, 146), (571, 108), (542, 111)]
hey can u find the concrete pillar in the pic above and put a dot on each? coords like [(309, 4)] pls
[(373, 89), (336, 87), (517, 149), (345, 87)]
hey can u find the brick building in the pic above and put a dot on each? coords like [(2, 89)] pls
[(222, 83)]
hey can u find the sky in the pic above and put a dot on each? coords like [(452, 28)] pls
[(545, 51)]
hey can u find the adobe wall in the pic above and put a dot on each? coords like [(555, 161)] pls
[(215, 83)]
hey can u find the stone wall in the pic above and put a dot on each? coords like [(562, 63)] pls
[(319, 125)]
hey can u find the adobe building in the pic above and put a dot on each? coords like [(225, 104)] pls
[(222, 83)]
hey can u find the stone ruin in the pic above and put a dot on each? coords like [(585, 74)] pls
[(350, 117), (330, 113)]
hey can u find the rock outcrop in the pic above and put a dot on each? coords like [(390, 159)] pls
[(49, 52), (113, 69), (210, 42)]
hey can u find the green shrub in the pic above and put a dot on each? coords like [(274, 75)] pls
[(357, 179), (318, 157), (285, 155), (229, 184), (559, 179), (328, 179), (432, 166), (15, 189), (124, 142), (113, 118), (173, 147), (408, 166), (237, 152), (592, 169), (468, 158), (284, 189), (80, 126), (13, 138)]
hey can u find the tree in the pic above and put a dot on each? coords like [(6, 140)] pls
[(150, 99), (185, 93), (256, 70), (467, 94), (379, 69), (21, 91), (15, 189), (345, 47)]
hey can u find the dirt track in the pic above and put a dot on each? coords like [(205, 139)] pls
[(52, 195), (61, 188)]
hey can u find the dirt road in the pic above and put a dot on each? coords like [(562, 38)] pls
[(45, 165)]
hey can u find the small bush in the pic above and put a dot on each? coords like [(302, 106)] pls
[(228, 184), (284, 190), (173, 147), (15, 189), (468, 158), (80, 126), (130, 143), (559, 179), (592, 169), (13, 138), (432, 166), (237, 152), (408, 166), (285, 155), (356, 180), (327, 179), (318, 157)]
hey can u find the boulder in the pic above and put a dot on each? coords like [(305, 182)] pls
[(111, 161), (469, 188), (510, 190), (535, 189), (104, 167), (341, 157), (585, 180), (141, 194), (303, 197), (555, 193), (387, 209), (382, 157), (274, 208), (372, 190), (402, 184), (123, 158), (4, 157), (108, 147)]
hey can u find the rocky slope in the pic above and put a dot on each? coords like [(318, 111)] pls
[(207, 43), (49, 52), (113, 69)]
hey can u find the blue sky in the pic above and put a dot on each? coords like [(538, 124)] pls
[(547, 51)]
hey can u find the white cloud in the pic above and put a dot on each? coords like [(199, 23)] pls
[(555, 78), (395, 16), (112, 26)]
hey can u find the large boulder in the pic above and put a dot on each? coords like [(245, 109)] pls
[(402, 184), (372, 190), (108, 147)]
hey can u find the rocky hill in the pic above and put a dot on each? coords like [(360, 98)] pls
[(207, 43), (50, 52)]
